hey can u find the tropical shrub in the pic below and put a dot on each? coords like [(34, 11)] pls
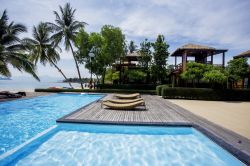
[(206, 94), (159, 89), (136, 75)]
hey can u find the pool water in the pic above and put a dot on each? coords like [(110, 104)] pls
[(85, 144), (22, 119)]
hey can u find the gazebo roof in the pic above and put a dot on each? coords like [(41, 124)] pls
[(196, 49), (133, 56), (245, 54)]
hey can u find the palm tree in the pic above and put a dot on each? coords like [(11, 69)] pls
[(66, 28), (11, 50), (41, 47)]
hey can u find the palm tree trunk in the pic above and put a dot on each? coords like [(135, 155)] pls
[(77, 67), (62, 73)]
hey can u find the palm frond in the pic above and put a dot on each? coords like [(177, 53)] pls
[(4, 70)]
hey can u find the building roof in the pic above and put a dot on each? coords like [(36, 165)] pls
[(245, 54), (196, 49), (133, 56)]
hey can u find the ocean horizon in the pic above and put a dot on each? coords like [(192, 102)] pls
[(29, 84)]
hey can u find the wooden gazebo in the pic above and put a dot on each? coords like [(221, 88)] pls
[(200, 54), (130, 61)]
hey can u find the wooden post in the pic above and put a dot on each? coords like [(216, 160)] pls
[(223, 59), (175, 61), (212, 59), (184, 61)]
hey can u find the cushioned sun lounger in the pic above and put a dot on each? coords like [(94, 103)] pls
[(123, 101), (126, 106), (128, 96)]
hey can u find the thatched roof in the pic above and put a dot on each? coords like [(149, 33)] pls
[(133, 56), (245, 54), (196, 49)]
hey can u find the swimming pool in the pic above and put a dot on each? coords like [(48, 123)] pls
[(87, 144), (22, 119)]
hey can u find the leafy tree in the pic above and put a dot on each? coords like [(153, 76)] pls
[(136, 75), (66, 28), (160, 56), (113, 48), (93, 43), (42, 49), (11, 50), (145, 56), (214, 77), (111, 76), (83, 46), (237, 69), (132, 47), (194, 71)]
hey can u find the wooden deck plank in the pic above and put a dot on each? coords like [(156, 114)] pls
[(157, 111)]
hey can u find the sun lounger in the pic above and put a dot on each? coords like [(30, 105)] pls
[(10, 95), (128, 96), (126, 106), (123, 101)]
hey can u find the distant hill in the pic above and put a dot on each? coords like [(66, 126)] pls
[(31, 79)]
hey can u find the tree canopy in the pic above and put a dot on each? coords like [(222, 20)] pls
[(132, 47), (11, 50), (160, 56), (65, 29), (238, 69)]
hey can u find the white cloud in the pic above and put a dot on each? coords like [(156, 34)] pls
[(221, 23)]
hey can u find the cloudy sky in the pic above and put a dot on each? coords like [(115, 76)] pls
[(217, 23)]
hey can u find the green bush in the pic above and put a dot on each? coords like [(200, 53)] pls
[(206, 94), (159, 89), (127, 86), (152, 92), (136, 75)]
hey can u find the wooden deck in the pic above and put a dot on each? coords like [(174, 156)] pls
[(156, 111), (161, 112)]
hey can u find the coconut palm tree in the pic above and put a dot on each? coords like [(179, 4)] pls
[(41, 47), (66, 28), (11, 50)]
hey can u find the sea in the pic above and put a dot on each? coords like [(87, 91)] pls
[(29, 84)]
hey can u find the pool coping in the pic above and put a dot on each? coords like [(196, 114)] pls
[(230, 147)]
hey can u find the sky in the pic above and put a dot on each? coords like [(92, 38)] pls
[(223, 24)]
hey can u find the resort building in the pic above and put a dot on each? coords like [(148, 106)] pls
[(194, 53), (244, 83), (130, 62)]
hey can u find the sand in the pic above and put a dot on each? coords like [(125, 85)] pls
[(234, 116)]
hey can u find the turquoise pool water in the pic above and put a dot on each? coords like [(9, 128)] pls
[(85, 144), (22, 119)]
